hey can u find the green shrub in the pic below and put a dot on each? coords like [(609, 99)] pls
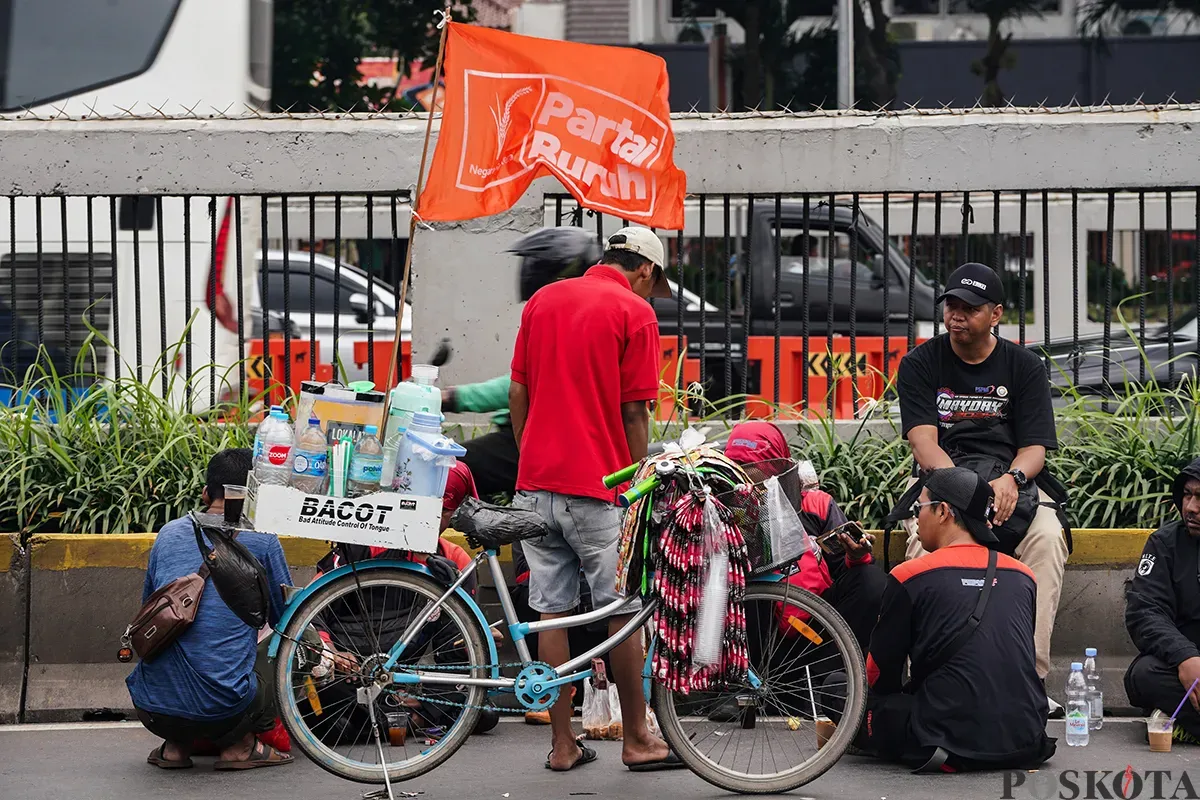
[(117, 459)]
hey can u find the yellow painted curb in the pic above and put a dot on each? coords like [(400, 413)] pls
[(57, 552), (1092, 547), (8, 548)]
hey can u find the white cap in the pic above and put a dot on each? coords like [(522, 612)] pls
[(642, 241), (645, 243), (425, 372)]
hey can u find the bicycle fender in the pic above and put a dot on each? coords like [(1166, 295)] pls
[(364, 566)]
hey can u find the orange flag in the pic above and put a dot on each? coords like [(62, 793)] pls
[(519, 108)]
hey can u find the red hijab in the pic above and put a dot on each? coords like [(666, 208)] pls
[(750, 442)]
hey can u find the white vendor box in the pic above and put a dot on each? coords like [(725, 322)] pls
[(383, 519)]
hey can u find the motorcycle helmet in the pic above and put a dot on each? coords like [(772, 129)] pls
[(551, 254)]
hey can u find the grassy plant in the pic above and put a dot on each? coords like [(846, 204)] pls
[(113, 458)]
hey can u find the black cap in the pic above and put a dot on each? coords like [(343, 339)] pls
[(974, 284), (969, 494)]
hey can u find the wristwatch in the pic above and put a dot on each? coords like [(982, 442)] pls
[(1019, 477)]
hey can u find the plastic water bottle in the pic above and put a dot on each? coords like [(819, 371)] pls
[(1077, 707), (264, 428), (311, 464), (418, 395), (1095, 690), (366, 463), (274, 465)]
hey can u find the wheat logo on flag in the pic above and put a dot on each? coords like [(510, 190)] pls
[(596, 118), (503, 116)]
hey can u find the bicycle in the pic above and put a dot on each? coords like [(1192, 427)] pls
[(432, 657)]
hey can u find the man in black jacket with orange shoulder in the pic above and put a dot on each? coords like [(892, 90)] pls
[(1162, 613)]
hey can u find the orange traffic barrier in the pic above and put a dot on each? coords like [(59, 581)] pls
[(669, 374), (380, 354), (833, 373), (267, 372)]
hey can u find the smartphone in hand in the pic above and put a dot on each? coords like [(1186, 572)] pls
[(831, 543)]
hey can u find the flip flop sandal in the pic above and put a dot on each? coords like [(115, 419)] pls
[(672, 761), (262, 755), (586, 756), (157, 759)]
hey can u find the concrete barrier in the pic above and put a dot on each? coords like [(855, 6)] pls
[(14, 571), (81, 591)]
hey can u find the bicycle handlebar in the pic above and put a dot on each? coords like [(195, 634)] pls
[(621, 476), (638, 492)]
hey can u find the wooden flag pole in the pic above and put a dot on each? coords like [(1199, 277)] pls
[(412, 224)]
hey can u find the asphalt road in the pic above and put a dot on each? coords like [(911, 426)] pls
[(107, 762)]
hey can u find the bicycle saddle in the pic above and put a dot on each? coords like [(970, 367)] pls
[(489, 526)]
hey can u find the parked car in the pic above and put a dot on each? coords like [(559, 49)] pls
[(348, 302), (1124, 358), (870, 283)]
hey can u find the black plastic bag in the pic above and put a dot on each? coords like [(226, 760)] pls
[(490, 526), (239, 578)]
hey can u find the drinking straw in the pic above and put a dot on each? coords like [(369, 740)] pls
[(1185, 697)]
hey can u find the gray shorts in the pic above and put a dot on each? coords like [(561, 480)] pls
[(583, 533)]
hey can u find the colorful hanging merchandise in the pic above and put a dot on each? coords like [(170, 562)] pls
[(681, 544)]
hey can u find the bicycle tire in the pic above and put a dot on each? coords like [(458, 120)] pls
[(856, 702), (311, 745)]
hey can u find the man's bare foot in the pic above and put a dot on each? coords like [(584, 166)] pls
[(642, 750), (240, 750), (173, 752), (566, 754)]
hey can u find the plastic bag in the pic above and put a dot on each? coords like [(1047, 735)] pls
[(652, 723), (616, 726), (239, 578), (597, 713), (714, 591), (488, 526), (782, 526)]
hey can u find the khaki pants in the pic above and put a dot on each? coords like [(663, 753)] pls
[(1044, 551)]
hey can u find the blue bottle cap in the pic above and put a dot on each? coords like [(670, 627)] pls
[(1090, 652), (371, 430), (1077, 666)]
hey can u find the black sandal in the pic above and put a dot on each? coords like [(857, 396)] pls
[(586, 756)]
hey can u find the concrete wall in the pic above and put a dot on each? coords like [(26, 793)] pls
[(14, 569)]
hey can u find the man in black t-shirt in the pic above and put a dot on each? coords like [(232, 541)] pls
[(970, 398)]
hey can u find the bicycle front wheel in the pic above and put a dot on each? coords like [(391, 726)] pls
[(321, 688), (770, 737)]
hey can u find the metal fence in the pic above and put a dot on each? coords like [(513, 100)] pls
[(788, 298)]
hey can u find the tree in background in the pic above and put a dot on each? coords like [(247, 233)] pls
[(779, 67), (319, 44), (1096, 15), (997, 56)]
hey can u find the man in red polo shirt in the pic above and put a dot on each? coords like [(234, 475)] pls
[(584, 367)]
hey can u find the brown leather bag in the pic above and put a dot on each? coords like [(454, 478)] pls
[(165, 616)]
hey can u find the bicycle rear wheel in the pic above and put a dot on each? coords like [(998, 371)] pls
[(763, 739), (362, 619)]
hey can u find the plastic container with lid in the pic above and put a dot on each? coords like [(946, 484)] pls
[(418, 395), (425, 458)]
